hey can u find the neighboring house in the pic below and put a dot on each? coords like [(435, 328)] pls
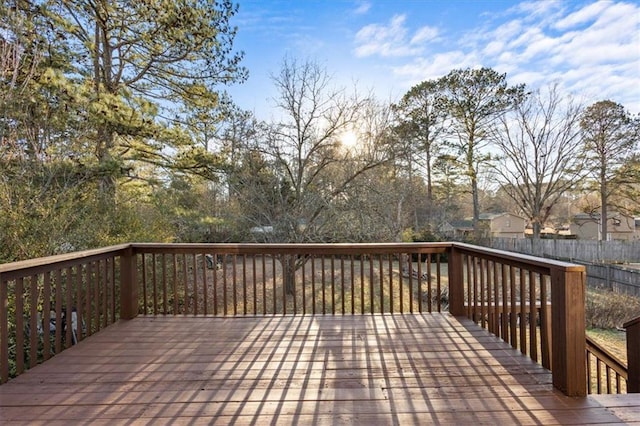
[(458, 230), (503, 225), (493, 225), (620, 227)]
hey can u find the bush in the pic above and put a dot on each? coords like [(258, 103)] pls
[(606, 309)]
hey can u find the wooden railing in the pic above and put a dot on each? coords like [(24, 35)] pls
[(49, 304), (255, 279), (532, 303), (536, 305), (605, 372)]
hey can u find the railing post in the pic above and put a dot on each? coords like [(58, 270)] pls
[(633, 355), (568, 335), (128, 284), (456, 283)]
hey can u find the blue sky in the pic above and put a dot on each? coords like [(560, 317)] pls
[(590, 48)]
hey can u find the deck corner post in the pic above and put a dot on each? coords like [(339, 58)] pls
[(128, 285), (456, 284), (568, 335), (633, 356)]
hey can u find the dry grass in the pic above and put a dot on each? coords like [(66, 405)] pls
[(608, 310), (614, 341)]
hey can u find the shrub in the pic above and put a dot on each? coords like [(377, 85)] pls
[(606, 309)]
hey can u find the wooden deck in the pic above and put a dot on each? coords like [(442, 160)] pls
[(383, 369)]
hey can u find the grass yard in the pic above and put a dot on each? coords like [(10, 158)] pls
[(606, 312), (615, 341)]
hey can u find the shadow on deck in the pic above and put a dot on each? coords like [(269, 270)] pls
[(377, 369)]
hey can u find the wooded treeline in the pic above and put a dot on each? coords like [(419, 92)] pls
[(114, 127)]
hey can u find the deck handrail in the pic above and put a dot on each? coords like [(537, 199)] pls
[(606, 373), (515, 297), (493, 279), (374, 287), (9, 271), (56, 302), (610, 374)]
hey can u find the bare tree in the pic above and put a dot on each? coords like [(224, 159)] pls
[(304, 146), (540, 145), (311, 170)]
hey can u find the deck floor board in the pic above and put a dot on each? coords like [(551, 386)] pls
[(377, 369)]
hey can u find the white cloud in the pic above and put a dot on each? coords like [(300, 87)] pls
[(594, 49), (582, 16), (537, 8), (602, 42), (435, 66), (392, 39), (532, 78), (539, 46), (508, 30), (380, 39), (424, 34), (493, 48), (590, 48), (362, 7)]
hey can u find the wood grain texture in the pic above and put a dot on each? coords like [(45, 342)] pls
[(377, 369), (633, 355)]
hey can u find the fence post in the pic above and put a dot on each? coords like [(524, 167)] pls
[(128, 284), (568, 335), (456, 283), (633, 355)]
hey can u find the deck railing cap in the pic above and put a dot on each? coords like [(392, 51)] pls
[(59, 258), (521, 258), (631, 323)]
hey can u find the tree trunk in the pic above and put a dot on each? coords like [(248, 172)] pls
[(289, 273), (604, 199), (477, 234), (429, 187), (105, 137), (536, 229)]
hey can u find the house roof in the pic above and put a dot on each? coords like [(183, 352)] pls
[(462, 225), (596, 216), (491, 216), (587, 216)]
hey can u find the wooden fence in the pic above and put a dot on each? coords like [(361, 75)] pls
[(617, 278), (571, 250), (592, 254)]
